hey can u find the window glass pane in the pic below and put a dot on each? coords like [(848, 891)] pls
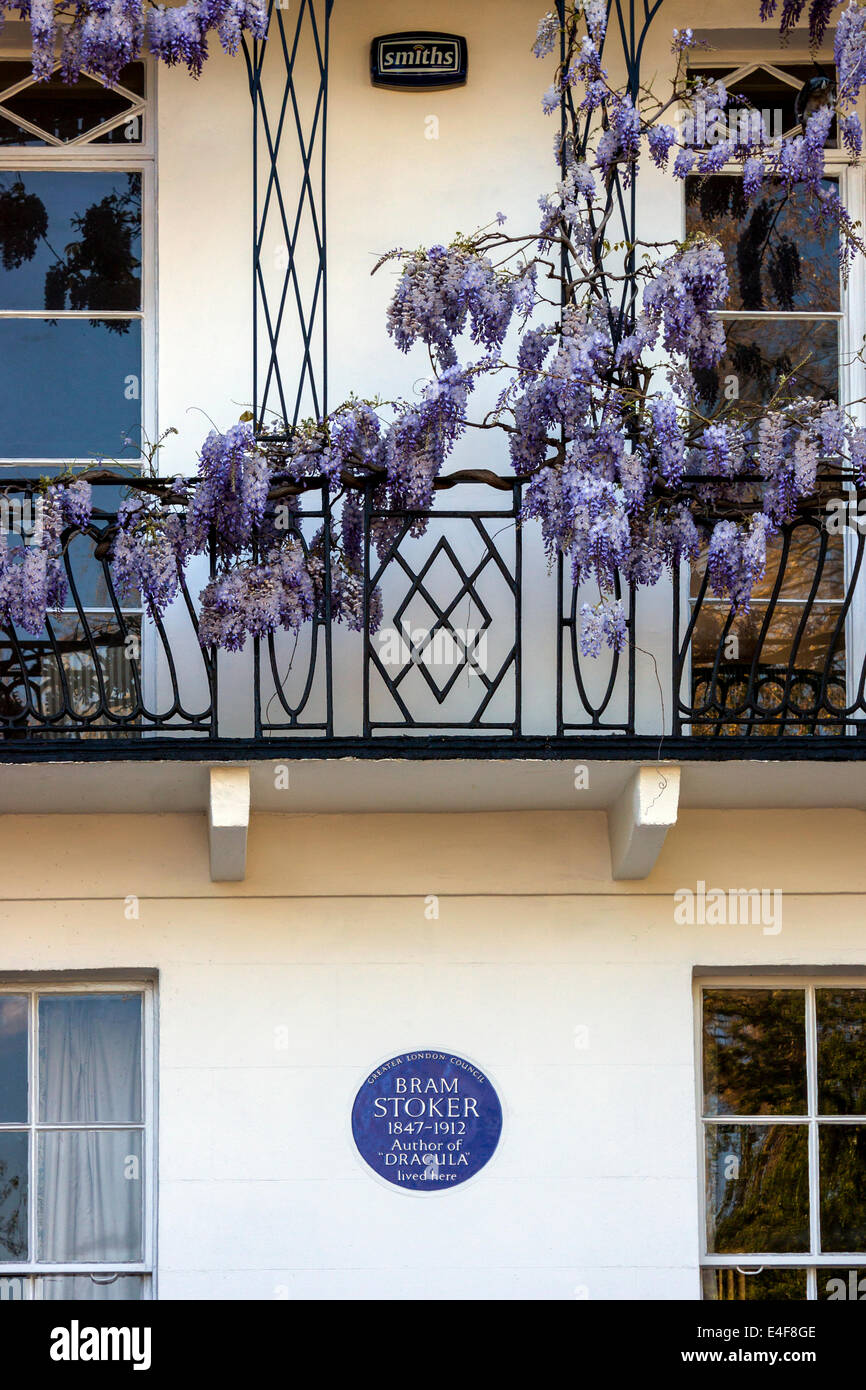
[(735, 1286), (806, 645), (89, 573), (13, 72), (12, 1286), (129, 132), (70, 389), (843, 1187), (754, 1052), (67, 111), (70, 240), (799, 668), (11, 134), (89, 1058), (841, 1285), (776, 259), (774, 97), (841, 1017), (772, 357), (44, 678), (85, 571), (13, 1196), (13, 1059), (102, 1288), (90, 1195), (757, 1189), (802, 565), (88, 580)]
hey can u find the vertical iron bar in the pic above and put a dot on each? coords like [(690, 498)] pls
[(368, 509), (256, 78), (324, 197), (329, 659), (560, 625), (632, 656), (214, 664), (675, 654), (518, 611)]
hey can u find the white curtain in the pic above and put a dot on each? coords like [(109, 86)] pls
[(89, 1181), (81, 681), (89, 1058)]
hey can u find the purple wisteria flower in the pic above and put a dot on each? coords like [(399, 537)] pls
[(103, 36), (605, 622), (443, 291), (253, 600), (232, 489), (149, 552)]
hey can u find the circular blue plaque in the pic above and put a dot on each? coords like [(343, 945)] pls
[(426, 1121)]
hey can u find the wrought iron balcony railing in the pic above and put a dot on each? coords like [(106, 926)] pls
[(475, 653)]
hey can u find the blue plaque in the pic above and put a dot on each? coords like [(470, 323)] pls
[(426, 1121)]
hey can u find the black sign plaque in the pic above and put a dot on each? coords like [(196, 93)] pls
[(418, 60)]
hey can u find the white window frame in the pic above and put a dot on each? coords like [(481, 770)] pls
[(78, 156), (812, 1260), (30, 1270), (851, 317)]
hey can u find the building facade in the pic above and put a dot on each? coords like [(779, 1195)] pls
[(627, 890)]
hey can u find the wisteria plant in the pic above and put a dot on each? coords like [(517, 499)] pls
[(103, 36), (596, 342)]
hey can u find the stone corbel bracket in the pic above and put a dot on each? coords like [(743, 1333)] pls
[(228, 822), (639, 820)]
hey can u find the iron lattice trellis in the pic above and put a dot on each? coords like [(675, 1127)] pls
[(288, 77)]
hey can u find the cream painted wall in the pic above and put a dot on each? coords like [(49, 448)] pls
[(595, 1184)]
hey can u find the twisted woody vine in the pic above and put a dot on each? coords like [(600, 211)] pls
[(626, 470)]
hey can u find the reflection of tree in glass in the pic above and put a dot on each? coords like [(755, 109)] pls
[(23, 224), (766, 1285), (762, 1202), (843, 1187), (99, 270), (776, 259), (841, 1051), (773, 360), (13, 1227), (798, 656), (755, 1052)]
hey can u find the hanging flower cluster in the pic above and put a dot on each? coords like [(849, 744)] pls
[(253, 600), (150, 550), (102, 36), (623, 468), (32, 572)]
